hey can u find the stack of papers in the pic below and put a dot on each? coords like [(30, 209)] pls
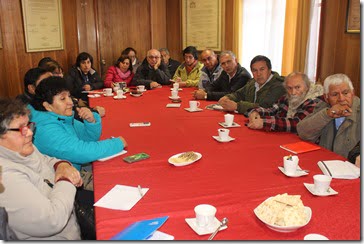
[(339, 169), (121, 197)]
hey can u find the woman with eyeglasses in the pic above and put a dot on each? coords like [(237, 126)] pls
[(122, 71), (38, 191), (60, 135)]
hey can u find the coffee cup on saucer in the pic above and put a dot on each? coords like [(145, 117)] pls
[(321, 183), (119, 93), (174, 93), (175, 86), (290, 164), (229, 119), (223, 134), (205, 215), (141, 88), (107, 91), (194, 105)]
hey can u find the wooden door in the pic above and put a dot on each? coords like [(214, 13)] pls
[(122, 24)]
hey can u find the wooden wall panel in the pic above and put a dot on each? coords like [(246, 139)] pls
[(158, 23), (174, 29), (339, 51)]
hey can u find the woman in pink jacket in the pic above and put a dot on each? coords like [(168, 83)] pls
[(122, 71)]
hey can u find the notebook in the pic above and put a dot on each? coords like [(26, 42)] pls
[(300, 147), (339, 169)]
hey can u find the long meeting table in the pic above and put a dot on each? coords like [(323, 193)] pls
[(235, 177)]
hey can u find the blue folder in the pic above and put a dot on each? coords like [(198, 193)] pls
[(140, 230)]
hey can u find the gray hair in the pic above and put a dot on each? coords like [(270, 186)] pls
[(223, 53), (304, 77), (9, 110), (337, 79), (164, 49)]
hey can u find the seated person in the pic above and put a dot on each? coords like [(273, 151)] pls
[(83, 77), (232, 78), (284, 115), (354, 155), (152, 72), (262, 91), (60, 135), (189, 72), (122, 71), (131, 53), (171, 63), (335, 122), (39, 190), (211, 69), (52, 66)]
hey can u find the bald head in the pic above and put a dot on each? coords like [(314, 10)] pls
[(209, 59)]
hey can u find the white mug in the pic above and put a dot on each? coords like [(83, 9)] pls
[(107, 91), (229, 119), (141, 88), (194, 105), (175, 86), (205, 215), (321, 183), (223, 134), (290, 165), (119, 93), (174, 93)]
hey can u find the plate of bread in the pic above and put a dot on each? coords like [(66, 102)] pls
[(185, 158), (284, 213)]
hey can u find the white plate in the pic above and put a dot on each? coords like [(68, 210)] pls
[(315, 237), (180, 89), (174, 98), (286, 229), (118, 98), (298, 173), (199, 156), (217, 138), (109, 95), (231, 126), (197, 110), (136, 95), (311, 188), (204, 230), (94, 95)]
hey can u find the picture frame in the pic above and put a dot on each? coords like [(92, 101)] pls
[(353, 17), (43, 25), (202, 24)]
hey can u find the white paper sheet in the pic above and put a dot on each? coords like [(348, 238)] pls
[(121, 197), (112, 156), (158, 235)]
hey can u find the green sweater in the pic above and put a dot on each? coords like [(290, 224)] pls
[(266, 96)]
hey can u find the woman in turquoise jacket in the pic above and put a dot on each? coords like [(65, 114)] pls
[(59, 135)]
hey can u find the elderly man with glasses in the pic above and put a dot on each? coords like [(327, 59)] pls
[(152, 72)]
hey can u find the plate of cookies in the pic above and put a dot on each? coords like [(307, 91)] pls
[(284, 213), (185, 158)]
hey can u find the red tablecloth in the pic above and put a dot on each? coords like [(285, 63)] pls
[(235, 177)]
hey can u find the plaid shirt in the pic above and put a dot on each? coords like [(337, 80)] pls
[(275, 117)]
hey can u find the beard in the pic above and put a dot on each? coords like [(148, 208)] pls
[(295, 101)]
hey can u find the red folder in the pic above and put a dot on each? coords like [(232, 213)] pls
[(300, 147)]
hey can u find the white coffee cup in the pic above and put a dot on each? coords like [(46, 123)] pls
[(115, 88), (107, 91), (223, 134), (229, 119), (194, 105), (205, 215), (119, 93), (175, 86), (174, 93), (321, 183), (141, 88), (290, 165)]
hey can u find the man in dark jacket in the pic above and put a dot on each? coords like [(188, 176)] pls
[(232, 78), (171, 63), (152, 72)]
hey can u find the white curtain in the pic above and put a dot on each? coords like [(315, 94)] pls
[(262, 31), (312, 45)]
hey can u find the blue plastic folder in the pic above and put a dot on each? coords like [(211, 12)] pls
[(140, 230)]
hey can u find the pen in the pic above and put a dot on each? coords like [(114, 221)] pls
[(140, 190)]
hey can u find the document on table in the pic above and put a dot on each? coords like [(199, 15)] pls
[(121, 197)]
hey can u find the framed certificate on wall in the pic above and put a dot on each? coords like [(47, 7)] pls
[(202, 25), (353, 16), (42, 25)]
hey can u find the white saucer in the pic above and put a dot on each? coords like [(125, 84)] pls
[(310, 188), (136, 95), (231, 126), (204, 230), (118, 98), (142, 90), (217, 138), (197, 110), (180, 89), (315, 237), (174, 98), (94, 95), (109, 95), (298, 172)]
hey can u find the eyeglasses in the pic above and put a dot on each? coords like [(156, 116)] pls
[(24, 129), (207, 59), (153, 57)]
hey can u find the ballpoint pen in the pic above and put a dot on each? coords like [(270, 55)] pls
[(140, 190)]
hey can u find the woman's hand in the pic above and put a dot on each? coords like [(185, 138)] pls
[(86, 114)]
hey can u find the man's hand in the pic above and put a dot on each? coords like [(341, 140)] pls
[(339, 110), (227, 104), (86, 114), (255, 121), (87, 87), (156, 66), (199, 94), (154, 84), (64, 170), (100, 110), (254, 115)]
